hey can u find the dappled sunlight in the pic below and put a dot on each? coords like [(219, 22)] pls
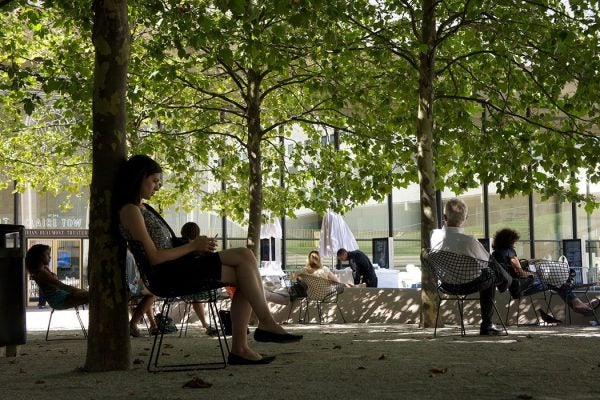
[(402, 306)]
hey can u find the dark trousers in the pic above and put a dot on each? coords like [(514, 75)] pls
[(486, 286), (502, 280)]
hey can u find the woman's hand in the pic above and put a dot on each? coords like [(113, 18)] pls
[(204, 244)]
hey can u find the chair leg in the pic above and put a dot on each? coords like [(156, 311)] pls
[(460, 304), (320, 312), (213, 314), (307, 312), (290, 312), (154, 356), (80, 322), (437, 315), (185, 319), (78, 319), (510, 300), (49, 322), (537, 317), (341, 313), (500, 318), (303, 306), (518, 301), (153, 365), (300, 301)]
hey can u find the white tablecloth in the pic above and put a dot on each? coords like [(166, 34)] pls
[(344, 275), (271, 272), (387, 278)]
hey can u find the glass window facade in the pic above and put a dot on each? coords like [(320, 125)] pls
[(46, 211), (552, 221)]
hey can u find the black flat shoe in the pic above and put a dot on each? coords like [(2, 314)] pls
[(261, 335), (234, 359), (547, 318), (490, 330)]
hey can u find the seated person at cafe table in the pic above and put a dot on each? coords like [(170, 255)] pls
[(361, 266), (315, 267)]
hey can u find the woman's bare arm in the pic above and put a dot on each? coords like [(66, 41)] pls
[(46, 278), (516, 265), (131, 218)]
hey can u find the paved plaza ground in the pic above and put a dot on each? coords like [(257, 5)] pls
[(337, 361)]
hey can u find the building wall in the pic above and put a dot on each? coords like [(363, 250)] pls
[(43, 214)]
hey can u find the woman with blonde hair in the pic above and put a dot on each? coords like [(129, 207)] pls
[(315, 267)]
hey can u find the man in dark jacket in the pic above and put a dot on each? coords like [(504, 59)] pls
[(362, 269)]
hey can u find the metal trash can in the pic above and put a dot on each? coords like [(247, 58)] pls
[(12, 288)]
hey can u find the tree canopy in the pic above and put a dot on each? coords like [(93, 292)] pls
[(201, 68), (450, 94)]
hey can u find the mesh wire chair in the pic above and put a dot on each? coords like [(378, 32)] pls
[(528, 296), (296, 296), (460, 278), (76, 308), (208, 292), (558, 277), (189, 301), (321, 291)]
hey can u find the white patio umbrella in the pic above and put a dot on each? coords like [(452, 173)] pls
[(335, 235), (271, 229)]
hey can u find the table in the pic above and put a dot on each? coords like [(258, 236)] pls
[(387, 278), (271, 272), (344, 275)]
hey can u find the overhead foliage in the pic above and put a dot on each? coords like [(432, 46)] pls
[(513, 84), (45, 78), (249, 93), (503, 113)]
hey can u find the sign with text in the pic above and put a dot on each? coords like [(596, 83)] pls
[(571, 248), (57, 233)]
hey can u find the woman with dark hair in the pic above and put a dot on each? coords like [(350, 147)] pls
[(505, 253), (59, 295), (190, 231), (186, 266)]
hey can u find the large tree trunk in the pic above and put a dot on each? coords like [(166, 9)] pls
[(255, 163), (108, 342), (425, 158)]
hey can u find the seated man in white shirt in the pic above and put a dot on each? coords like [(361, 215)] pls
[(451, 238)]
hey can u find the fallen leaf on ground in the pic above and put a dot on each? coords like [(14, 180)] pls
[(438, 370), (197, 383)]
